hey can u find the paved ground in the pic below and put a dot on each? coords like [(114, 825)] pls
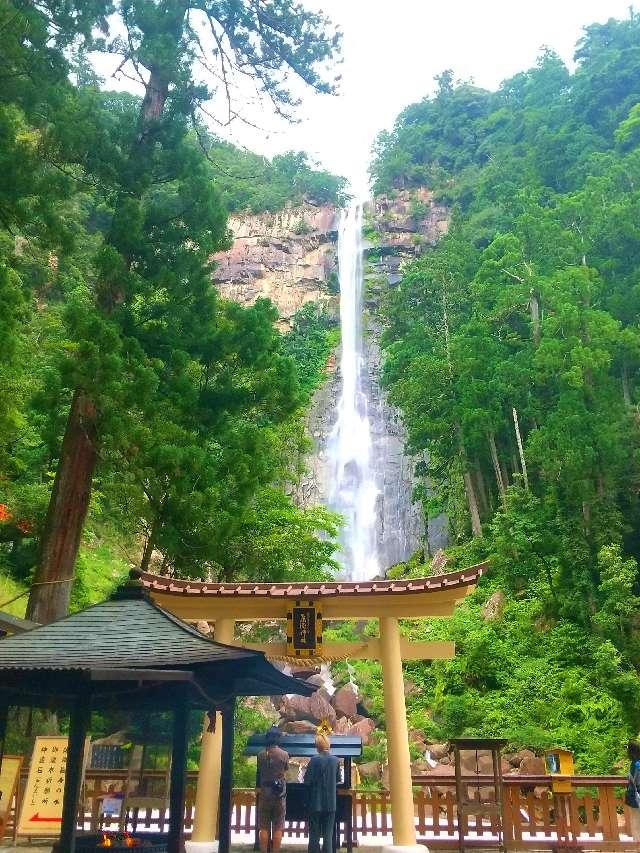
[(237, 848)]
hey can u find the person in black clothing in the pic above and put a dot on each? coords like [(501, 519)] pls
[(321, 779)]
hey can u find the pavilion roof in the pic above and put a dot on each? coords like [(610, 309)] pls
[(10, 624), (319, 589), (129, 633), (129, 639)]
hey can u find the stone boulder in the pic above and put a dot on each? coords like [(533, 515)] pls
[(482, 764), (320, 709), (363, 729), (343, 726), (316, 708), (300, 727), (418, 738), (438, 750), (493, 608), (370, 770), (441, 770), (439, 562), (410, 689), (532, 766), (345, 701), (516, 758)]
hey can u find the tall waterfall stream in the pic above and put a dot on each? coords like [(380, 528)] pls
[(354, 492)]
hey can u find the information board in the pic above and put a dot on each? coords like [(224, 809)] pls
[(41, 812), (9, 776)]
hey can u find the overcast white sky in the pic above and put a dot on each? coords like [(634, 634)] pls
[(394, 48), (392, 51)]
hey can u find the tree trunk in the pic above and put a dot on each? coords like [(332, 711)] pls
[(504, 468), (150, 544), (483, 497), (472, 502), (520, 449), (626, 387), (496, 466), (68, 505), (534, 305)]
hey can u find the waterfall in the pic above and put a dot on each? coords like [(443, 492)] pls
[(354, 492)]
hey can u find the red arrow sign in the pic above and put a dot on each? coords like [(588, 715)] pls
[(37, 819)]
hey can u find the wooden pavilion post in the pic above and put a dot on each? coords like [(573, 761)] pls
[(207, 790), (178, 779), (226, 777), (78, 726), (4, 713)]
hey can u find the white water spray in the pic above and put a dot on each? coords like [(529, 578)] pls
[(354, 492)]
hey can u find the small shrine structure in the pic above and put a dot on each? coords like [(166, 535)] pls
[(304, 607), (129, 653)]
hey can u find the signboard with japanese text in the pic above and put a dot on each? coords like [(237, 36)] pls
[(304, 630), (9, 775), (41, 812)]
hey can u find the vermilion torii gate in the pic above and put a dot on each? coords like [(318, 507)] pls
[(387, 600)]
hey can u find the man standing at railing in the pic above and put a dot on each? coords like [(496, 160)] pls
[(632, 798), (273, 763), (321, 779)]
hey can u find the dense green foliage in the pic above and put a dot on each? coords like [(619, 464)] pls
[(528, 310), (247, 181), (181, 408), (312, 338)]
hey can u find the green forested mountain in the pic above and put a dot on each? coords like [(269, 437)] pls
[(522, 325), (136, 406), (247, 181)]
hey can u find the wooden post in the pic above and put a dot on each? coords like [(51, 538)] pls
[(178, 769), (4, 713), (402, 815), (207, 789), (226, 778), (348, 783), (78, 726)]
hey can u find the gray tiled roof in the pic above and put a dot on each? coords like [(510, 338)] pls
[(116, 633)]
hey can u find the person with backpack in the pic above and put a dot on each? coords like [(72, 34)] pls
[(632, 797), (273, 763), (321, 779)]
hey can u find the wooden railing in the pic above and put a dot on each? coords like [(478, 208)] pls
[(592, 817), (596, 816)]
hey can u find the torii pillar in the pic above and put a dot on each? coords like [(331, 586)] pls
[(388, 601), (395, 711)]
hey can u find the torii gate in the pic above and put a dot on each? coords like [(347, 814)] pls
[(388, 601)]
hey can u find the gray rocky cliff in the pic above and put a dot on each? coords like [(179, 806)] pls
[(290, 257), (398, 229)]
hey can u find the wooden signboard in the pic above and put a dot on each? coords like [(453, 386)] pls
[(41, 812), (304, 630), (9, 777)]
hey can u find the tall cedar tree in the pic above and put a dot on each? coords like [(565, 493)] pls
[(158, 246)]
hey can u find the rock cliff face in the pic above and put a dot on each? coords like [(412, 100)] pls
[(288, 257), (397, 230)]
